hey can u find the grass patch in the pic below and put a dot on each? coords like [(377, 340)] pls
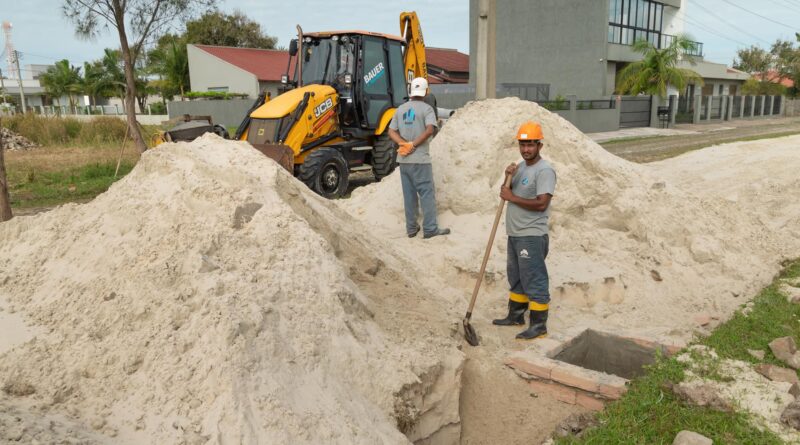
[(650, 414), (636, 139), (71, 132), (76, 184)]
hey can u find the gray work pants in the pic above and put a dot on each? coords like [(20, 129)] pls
[(417, 181), (527, 272)]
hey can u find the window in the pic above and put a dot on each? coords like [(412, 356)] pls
[(398, 76), (375, 77), (632, 20)]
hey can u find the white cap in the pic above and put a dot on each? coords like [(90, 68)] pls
[(419, 87)]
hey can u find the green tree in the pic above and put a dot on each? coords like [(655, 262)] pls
[(135, 21), (62, 79), (218, 28), (171, 62), (782, 61), (657, 69), (753, 60)]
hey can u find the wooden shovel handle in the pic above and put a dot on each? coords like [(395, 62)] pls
[(497, 215)]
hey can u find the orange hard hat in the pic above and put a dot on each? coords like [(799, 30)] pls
[(530, 131)]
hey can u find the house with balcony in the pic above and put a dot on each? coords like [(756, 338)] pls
[(577, 47)]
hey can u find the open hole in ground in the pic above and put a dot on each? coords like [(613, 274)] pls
[(609, 353)]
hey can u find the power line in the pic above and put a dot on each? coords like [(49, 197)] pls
[(707, 29), (759, 15), (716, 16)]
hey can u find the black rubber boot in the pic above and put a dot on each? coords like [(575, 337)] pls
[(516, 314), (538, 327)]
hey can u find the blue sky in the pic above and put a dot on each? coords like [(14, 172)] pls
[(43, 35)]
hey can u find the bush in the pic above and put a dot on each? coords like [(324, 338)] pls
[(158, 108)]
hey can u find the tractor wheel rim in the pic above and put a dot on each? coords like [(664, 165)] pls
[(330, 179)]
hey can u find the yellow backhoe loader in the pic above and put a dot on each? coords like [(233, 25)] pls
[(333, 115)]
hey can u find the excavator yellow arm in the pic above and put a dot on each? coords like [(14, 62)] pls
[(411, 30)]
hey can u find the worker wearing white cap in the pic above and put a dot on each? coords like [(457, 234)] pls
[(411, 128)]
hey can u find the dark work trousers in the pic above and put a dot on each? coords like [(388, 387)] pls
[(527, 272)]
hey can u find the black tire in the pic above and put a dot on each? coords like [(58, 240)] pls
[(221, 131), (326, 172), (384, 157)]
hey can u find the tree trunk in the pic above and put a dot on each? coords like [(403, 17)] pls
[(130, 90), (5, 201)]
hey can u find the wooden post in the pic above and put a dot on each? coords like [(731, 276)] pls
[(121, 150), (5, 201)]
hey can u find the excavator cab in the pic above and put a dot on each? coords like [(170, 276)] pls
[(340, 92)]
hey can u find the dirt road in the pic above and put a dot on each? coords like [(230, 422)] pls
[(664, 147)]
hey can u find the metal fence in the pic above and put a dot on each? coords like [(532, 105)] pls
[(717, 108), (748, 105), (603, 104), (757, 104), (535, 92), (685, 112), (554, 105), (776, 104)]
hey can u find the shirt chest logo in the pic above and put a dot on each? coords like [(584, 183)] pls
[(525, 181)]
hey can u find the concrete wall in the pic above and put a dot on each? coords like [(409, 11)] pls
[(792, 107), (207, 73), (144, 119), (556, 42), (228, 113)]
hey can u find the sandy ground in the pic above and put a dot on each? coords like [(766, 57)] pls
[(188, 305)]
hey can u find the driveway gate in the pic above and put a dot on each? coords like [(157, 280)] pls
[(635, 111)]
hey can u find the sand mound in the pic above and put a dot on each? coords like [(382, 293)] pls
[(630, 250), (209, 297), (14, 141)]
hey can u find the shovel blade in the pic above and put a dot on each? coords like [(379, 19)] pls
[(469, 333)]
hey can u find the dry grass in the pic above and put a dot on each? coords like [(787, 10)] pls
[(54, 158)]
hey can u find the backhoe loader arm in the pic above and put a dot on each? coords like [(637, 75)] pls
[(415, 64)]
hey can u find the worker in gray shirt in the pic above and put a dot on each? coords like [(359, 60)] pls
[(532, 187), (411, 128)]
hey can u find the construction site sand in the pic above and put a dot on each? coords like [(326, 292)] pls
[(209, 297), (635, 249)]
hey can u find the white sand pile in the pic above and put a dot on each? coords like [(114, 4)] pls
[(630, 251), (208, 297)]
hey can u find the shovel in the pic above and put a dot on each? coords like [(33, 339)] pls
[(469, 332)]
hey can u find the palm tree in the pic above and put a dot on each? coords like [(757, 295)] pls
[(62, 79), (171, 62), (657, 69)]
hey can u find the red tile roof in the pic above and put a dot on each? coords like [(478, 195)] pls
[(774, 77), (266, 64), (270, 65), (447, 59)]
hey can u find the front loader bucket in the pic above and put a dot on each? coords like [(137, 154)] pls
[(282, 154)]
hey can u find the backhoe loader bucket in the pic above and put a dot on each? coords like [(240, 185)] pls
[(282, 154)]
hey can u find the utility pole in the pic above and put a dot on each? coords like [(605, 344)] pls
[(19, 79), (2, 87), (485, 83)]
